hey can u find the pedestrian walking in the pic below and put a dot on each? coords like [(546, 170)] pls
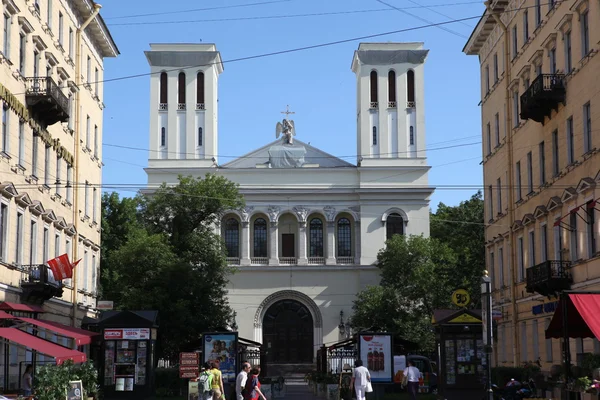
[(217, 382), (253, 391), (412, 373), (240, 381), (360, 380)]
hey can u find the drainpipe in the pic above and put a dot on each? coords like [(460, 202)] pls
[(511, 193), (77, 127)]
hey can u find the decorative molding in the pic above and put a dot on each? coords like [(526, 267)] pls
[(329, 213), (70, 230), (394, 210), (516, 226), (568, 194), (554, 203), (60, 223), (288, 295), (273, 212), (585, 184), (528, 219), (540, 212), (36, 208), (302, 213), (8, 190), (246, 212), (550, 41), (564, 25), (23, 199)]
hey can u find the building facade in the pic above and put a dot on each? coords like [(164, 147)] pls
[(308, 238), (540, 103), (50, 152)]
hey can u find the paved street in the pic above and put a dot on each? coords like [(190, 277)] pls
[(297, 392)]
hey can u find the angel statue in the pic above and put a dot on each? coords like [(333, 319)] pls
[(287, 128)]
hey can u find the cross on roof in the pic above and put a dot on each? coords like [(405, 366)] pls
[(287, 111)]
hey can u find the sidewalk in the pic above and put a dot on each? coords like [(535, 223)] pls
[(299, 392)]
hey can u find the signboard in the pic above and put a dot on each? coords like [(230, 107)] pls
[(75, 390), (188, 365), (221, 347), (127, 334), (105, 305), (193, 391), (189, 359), (188, 371), (375, 350), (461, 298)]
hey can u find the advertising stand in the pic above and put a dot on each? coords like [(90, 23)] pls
[(222, 347)]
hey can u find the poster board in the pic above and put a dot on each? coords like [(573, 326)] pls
[(221, 346), (75, 390), (376, 352)]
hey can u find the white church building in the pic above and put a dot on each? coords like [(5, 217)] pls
[(308, 238)]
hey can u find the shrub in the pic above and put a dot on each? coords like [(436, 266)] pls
[(168, 382)]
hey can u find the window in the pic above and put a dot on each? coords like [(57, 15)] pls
[(71, 43), (499, 195), (89, 70), (69, 183), (19, 242), (585, 34), (542, 163), (497, 128), (544, 243), (520, 261), (56, 244), (5, 132), (34, 155), (88, 132), (552, 56), (487, 79), (94, 277), (49, 14), (60, 28), (412, 136), (529, 173), (489, 138), (85, 270), (550, 4), (531, 248), (199, 136), (591, 229), (96, 141), (555, 164), (548, 343), (87, 199), (538, 13), (33, 242), (515, 42), (58, 174), (587, 128), (394, 225), (490, 201), (492, 270), (525, 26), (22, 47), (200, 88), (496, 75), (518, 176), (6, 36), (344, 238), (95, 205), (501, 266), (374, 136), (260, 238), (515, 109), (316, 238), (45, 245), (410, 86), (71, 111), (22, 143), (36, 65), (163, 88), (568, 59), (181, 88), (557, 243), (573, 236), (47, 166), (373, 82), (391, 87), (232, 238), (163, 137), (535, 334), (570, 141), (96, 80)]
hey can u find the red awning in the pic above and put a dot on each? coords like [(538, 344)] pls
[(5, 315), (582, 317), (6, 306), (82, 337), (61, 354)]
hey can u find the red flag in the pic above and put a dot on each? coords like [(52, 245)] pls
[(72, 267), (61, 267)]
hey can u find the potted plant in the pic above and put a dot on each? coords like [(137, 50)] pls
[(52, 381), (88, 375)]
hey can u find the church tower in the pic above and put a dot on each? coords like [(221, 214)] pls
[(390, 103), (183, 103)]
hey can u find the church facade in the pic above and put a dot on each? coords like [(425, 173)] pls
[(307, 241)]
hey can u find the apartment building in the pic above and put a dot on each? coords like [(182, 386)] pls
[(50, 153), (540, 104)]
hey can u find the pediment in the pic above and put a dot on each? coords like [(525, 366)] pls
[(528, 219), (516, 226), (8, 190), (60, 223), (568, 195), (585, 184), (36, 208), (70, 230), (540, 211), (313, 157), (554, 203), (23, 200), (49, 216)]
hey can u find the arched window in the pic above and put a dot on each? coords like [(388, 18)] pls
[(163, 136), (199, 136), (394, 225), (181, 88), (374, 136), (163, 88), (344, 238), (200, 88), (373, 89), (232, 238), (316, 238), (412, 136), (410, 86), (392, 87), (260, 238)]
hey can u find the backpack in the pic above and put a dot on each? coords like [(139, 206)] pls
[(205, 381)]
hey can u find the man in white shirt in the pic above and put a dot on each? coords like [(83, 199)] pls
[(413, 374), (360, 378), (240, 381)]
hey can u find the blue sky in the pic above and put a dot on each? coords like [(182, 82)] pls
[(317, 84)]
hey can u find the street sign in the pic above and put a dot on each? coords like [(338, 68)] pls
[(105, 305), (461, 298)]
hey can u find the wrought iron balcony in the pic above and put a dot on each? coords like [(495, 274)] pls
[(38, 284), (544, 94), (549, 277), (46, 100)]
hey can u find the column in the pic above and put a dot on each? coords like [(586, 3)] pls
[(357, 242), (302, 260), (330, 244), (245, 254), (273, 244)]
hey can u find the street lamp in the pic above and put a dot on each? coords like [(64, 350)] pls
[(486, 314)]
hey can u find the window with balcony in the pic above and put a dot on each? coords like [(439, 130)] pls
[(544, 242), (316, 238), (344, 238), (529, 173), (232, 238), (497, 128), (373, 86), (260, 237), (587, 128), (394, 225), (542, 166), (552, 57), (499, 195), (557, 242), (555, 160), (585, 33), (518, 181), (532, 248), (591, 228), (568, 57), (392, 89), (570, 141)]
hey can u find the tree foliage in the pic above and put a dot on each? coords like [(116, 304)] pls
[(163, 254), (419, 274)]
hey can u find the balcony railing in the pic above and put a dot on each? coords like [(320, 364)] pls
[(544, 94), (233, 260), (38, 284), (549, 277), (316, 260), (344, 260), (46, 100), (288, 260), (259, 261)]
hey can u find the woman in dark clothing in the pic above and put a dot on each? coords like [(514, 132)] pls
[(253, 386)]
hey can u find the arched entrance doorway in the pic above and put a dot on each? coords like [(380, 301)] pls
[(288, 333)]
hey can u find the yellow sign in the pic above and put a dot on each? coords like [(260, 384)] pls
[(465, 319), (461, 298)]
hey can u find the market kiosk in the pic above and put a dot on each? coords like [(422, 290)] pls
[(462, 366), (126, 355)]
